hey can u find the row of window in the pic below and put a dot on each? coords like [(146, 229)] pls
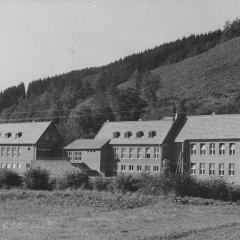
[(9, 134), (11, 151), (139, 134), (14, 165), (139, 155), (212, 148), (139, 168), (212, 169)]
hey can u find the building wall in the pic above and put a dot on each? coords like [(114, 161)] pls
[(150, 163), (27, 155), (216, 159)]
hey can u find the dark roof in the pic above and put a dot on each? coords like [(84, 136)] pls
[(87, 144), (210, 127), (30, 132), (161, 127)]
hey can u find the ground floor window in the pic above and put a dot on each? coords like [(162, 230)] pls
[(202, 169), (221, 169), (130, 167), (193, 169), (123, 167), (14, 165), (19, 165), (156, 168), (139, 168), (231, 169), (147, 168), (28, 166), (211, 169)]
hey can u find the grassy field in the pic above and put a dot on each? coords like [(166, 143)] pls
[(92, 215)]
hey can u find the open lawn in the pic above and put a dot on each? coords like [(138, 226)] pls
[(92, 215)]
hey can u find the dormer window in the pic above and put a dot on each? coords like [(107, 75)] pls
[(151, 134), (116, 134), (127, 134), (8, 135), (139, 134), (18, 135)]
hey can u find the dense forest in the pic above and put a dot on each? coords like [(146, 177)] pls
[(80, 101)]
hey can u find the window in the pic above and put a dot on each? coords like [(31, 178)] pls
[(231, 148), (151, 134), (127, 134), (211, 169), (212, 149), (221, 148), (155, 168), (19, 151), (130, 167), (8, 135), (202, 148), (18, 135), (202, 169), (70, 154), (8, 151), (3, 152), (28, 166), (193, 148), (14, 165), (131, 153), (77, 156), (123, 167), (139, 153), (116, 134), (156, 152), (19, 165), (14, 152), (123, 153), (139, 168), (3, 165), (193, 169), (115, 153), (8, 165), (221, 169), (147, 150), (147, 168), (139, 134), (231, 169)]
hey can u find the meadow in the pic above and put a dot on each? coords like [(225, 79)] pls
[(83, 214)]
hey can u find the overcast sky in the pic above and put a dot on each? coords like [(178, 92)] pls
[(41, 38)]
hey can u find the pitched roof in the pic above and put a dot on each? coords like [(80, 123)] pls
[(30, 132), (87, 144), (210, 127), (161, 127)]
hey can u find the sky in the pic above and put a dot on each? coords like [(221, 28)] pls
[(42, 38)]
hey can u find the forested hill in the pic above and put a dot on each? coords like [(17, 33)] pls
[(200, 71)]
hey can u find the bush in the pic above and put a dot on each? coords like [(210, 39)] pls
[(101, 183), (74, 180), (36, 179), (9, 179)]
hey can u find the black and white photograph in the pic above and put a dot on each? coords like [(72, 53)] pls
[(119, 120)]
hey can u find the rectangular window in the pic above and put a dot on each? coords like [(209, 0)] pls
[(202, 148), (3, 152), (19, 165), (14, 152), (193, 147), (139, 153), (3, 165), (70, 155), (221, 148), (155, 168), (156, 152), (8, 165), (231, 169), (212, 149), (123, 167), (8, 151), (139, 168), (130, 167), (202, 169), (14, 165), (193, 169), (147, 152), (211, 169), (28, 166), (19, 151), (77, 156), (131, 153), (231, 148), (115, 153), (221, 169), (123, 153), (147, 168)]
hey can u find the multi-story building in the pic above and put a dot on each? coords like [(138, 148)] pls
[(210, 147), (23, 143)]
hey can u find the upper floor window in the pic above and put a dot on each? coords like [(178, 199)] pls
[(14, 151), (151, 134), (131, 153), (127, 134), (18, 135), (123, 153), (212, 149), (211, 169), (19, 151), (193, 169), (202, 149), (148, 155), (3, 152), (139, 134), (221, 148), (156, 152), (139, 153), (8, 151), (231, 148), (8, 135), (77, 156), (221, 169), (70, 154), (193, 148), (115, 153), (116, 134)]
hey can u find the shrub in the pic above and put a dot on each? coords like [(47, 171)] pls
[(9, 179), (74, 180), (36, 179), (101, 183)]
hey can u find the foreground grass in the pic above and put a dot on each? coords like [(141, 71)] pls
[(100, 215)]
